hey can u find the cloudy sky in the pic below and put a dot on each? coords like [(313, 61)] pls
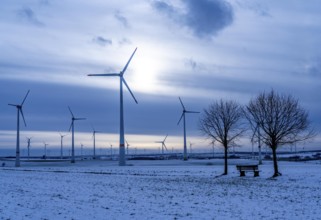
[(200, 50)]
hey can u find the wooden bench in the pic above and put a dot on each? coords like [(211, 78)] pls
[(248, 168)]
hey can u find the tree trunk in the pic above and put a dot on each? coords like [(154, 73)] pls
[(275, 163), (225, 160)]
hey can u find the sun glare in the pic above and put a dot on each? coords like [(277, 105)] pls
[(146, 68)]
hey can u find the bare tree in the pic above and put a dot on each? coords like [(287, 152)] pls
[(222, 122), (281, 120)]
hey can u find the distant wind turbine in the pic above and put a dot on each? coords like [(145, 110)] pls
[(183, 116), (81, 150), (127, 145), (213, 143), (61, 144), (28, 146), (122, 159), (19, 111), (257, 133), (45, 148), (190, 147), (94, 140), (73, 119), (163, 144)]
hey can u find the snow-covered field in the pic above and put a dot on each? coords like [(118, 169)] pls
[(158, 190)]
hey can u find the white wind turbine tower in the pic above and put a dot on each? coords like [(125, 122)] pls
[(94, 140), (213, 145), (122, 159), (61, 144), (183, 116), (72, 128), (111, 151), (19, 111), (127, 147), (257, 133), (81, 150), (28, 146), (163, 144), (190, 147), (45, 148)]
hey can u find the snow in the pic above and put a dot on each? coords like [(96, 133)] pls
[(169, 189)]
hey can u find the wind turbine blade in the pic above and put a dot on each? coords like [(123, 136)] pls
[(25, 97), (165, 146), (23, 117), (13, 105), (125, 68), (191, 112), (158, 141), (104, 74), (165, 138), (181, 103), (61, 135), (70, 126), (71, 112), (129, 90), (180, 118), (79, 118)]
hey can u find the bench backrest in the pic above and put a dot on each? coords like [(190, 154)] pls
[(247, 167)]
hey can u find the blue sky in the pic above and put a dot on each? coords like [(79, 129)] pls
[(199, 50)]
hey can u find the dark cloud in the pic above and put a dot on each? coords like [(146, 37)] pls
[(204, 17), (194, 65), (165, 8), (121, 18), (191, 63), (26, 14), (124, 41), (208, 17), (102, 41)]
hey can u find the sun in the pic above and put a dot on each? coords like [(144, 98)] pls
[(145, 70)]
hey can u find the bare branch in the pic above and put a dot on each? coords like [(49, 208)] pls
[(222, 122)]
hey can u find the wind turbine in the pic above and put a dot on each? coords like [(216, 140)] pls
[(19, 111), (45, 148), (28, 146), (258, 134), (163, 144), (213, 143), (183, 116), (94, 140), (73, 119), (190, 147), (81, 150), (127, 147), (61, 144), (122, 159)]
